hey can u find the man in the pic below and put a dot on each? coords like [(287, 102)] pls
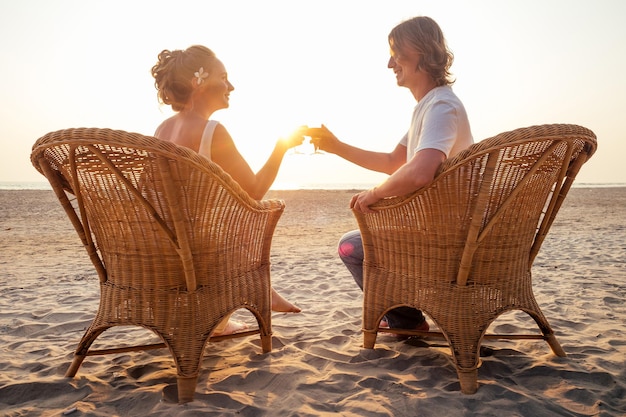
[(420, 60)]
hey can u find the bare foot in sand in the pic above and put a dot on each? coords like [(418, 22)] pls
[(281, 305), (231, 327)]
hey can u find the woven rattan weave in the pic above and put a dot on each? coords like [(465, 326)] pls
[(461, 249), (177, 244)]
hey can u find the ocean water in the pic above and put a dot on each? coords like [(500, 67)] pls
[(42, 185), (22, 185)]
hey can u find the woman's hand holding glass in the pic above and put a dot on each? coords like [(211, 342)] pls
[(294, 139), (321, 138)]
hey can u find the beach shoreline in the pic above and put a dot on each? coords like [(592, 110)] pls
[(318, 367)]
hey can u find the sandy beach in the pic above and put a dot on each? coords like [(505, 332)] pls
[(318, 367)]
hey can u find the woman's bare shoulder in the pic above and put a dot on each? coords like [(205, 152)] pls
[(182, 131)]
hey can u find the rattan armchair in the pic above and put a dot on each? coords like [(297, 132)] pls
[(177, 244), (461, 249)]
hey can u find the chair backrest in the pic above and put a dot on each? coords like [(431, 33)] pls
[(524, 177), (148, 208), (493, 204)]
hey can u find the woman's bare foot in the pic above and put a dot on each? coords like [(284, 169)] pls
[(281, 305), (231, 327)]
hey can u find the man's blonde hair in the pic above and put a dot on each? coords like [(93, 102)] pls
[(424, 35)]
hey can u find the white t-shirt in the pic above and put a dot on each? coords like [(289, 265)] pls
[(439, 122)]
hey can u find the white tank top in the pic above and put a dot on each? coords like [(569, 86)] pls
[(207, 139)]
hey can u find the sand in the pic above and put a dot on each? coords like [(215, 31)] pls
[(318, 367)]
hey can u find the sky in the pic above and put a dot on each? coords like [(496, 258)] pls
[(86, 63)]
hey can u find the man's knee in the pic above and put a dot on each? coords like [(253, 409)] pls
[(350, 245)]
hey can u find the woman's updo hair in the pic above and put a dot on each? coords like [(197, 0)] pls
[(173, 73)]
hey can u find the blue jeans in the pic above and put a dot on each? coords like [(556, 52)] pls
[(351, 253)]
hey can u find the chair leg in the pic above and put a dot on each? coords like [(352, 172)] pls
[(266, 343), (76, 362), (536, 313), (555, 345), (186, 388), (83, 348), (369, 339), (468, 380), (465, 348)]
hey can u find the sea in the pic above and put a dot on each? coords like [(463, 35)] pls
[(42, 185)]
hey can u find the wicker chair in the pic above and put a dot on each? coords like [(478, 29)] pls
[(177, 244), (461, 249)]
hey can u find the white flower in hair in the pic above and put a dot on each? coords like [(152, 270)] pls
[(200, 75)]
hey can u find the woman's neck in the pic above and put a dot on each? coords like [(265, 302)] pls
[(198, 109), (195, 113)]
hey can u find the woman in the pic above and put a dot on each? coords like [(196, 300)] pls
[(195, 83)]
